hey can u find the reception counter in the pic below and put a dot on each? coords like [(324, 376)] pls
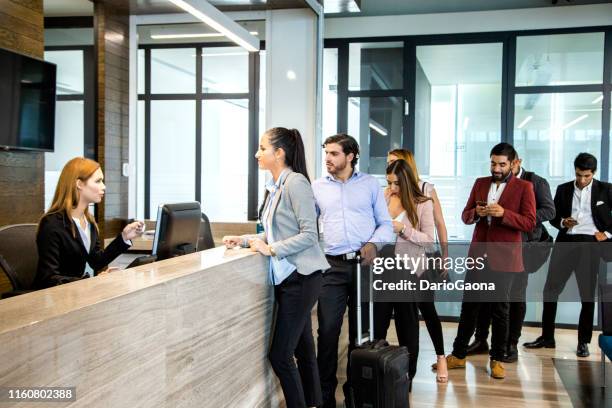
[(192, 331)]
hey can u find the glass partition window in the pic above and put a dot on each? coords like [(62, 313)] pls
[(69, 143), (225, 147), (330, 97), (559, 59), (141, 71), (140, 161), (376, 65), (68, 37), (69, 115), (198, 138), (70, 73), (457, 121), (173, 70), (377, 125), (225, 70), (261, 175), (551, 129), (172, 153)]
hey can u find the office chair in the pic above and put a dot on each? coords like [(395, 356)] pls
[(206, 240), (19, 257)]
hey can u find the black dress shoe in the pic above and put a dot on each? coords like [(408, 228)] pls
[(583, 350), (478, 347), (539, 343), (511, 354)]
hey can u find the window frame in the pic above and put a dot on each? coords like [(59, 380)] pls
[(199, 96), (509, 88)]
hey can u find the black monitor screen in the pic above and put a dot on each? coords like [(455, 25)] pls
[(178, 229), (27, 102)]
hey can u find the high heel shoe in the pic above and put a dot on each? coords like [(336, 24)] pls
[(441, 370)]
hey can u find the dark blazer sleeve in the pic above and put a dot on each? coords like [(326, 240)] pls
[(49, 242), (525, 219), (545, 210), (608, 220), (556, 222), (98, 259)]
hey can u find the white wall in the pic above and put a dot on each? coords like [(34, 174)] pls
[(470, 22), (291, 45)]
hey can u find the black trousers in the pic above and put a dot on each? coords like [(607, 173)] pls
[(518, 308), (295, 297), (500, 310), (339, 290), (406, 316), (433, 324), (583, 261)]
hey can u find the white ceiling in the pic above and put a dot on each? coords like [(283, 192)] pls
[(54, 8), (399, 7), (66, 8)]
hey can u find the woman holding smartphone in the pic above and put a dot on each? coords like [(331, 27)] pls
[(428, 307), (413, 222), (291, 240), (68, 239)]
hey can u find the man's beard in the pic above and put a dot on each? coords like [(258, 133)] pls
[(500, 176), (336, 169)]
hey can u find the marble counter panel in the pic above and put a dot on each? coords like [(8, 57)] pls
[(192, 331)]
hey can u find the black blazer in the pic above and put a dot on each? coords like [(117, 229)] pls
[(62, 255), (600, 191), (545, 206)]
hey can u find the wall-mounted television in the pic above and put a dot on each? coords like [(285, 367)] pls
[(27, 102)]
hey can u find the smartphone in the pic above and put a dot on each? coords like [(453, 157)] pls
[(481, 203)]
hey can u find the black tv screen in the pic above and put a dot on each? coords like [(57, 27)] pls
[(27, 102)]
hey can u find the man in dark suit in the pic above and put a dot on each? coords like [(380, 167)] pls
[(583, 218), (502, 206), (545, 211)]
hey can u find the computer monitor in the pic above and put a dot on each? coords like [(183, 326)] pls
[(177, 230)]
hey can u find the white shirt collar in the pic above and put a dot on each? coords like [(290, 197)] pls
[(586, 188)]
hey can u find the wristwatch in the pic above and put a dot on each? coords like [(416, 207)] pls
[(401, 234), (272, 252)]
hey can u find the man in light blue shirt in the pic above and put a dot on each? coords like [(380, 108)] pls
[(355, 221)]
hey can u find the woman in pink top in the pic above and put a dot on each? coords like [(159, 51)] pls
[(413, 222), (428, 307)]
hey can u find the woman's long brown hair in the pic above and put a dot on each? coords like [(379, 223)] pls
[(410, 194), (66, 197)]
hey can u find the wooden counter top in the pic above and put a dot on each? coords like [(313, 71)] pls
[(192, 331)]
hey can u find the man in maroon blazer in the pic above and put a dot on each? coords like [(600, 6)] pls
[(502, 206)]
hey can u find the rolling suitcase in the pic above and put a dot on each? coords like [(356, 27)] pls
[(378, 372)]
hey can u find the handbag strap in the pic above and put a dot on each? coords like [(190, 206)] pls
[(436, 240)]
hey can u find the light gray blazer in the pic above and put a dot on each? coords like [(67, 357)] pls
[(294, 225)]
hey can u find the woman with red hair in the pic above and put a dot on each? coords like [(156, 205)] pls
[(68, 238)]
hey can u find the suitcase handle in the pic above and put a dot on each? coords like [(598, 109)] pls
[(360, 334)]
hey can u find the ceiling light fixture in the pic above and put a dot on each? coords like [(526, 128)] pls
[(378, 127), (573, 122), (524, 122), (209, 15), (190, 35)]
